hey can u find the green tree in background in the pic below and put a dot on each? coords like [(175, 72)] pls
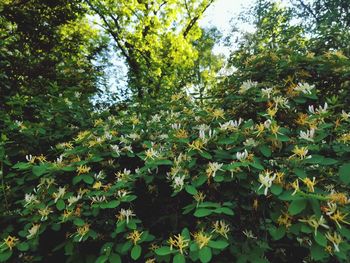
[(156, 39)]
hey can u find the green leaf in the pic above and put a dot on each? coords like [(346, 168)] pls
[(136, 252), (224, 210), (265, 150), (201, 212), (219, 244), (5, 255), (39, 170), (318, 252), (344, 173), (23, 246), (114, 258), (191, 189), (300, 173), (297, 206), (101, 259), (163, 162), (278, 233), (320, 239), (60, 205), (205, 254), (112, 204), (163, 251), (179, 258), (88, 179), (79, 222), (276, 189), (206, 155)]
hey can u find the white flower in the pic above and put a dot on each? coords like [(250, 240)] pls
[(116, 149), (249, 234), (247, 85), (304, 88), (213, 168), (73, 199), (344, 115), (126, 214), (267, 124), (59, 160), (100, 175), (308, 135), (156, 118), (176, 126), (98, 199), (178, 182), (319, 110), (127, 148), (61, 192), (134, 136), (30, 199), (151, 154), (242, 156), (250, 142), (281, 101), (30, 158), (77, 94), (266, 180), (231, 125), (266, 92), (44, 212), (33, 231)]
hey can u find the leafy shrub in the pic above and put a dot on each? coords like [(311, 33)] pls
[(169, 180)]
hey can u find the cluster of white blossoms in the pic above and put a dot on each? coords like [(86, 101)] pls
[(304, 88), (247, 85)]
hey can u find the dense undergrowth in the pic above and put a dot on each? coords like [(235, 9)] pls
[(171, 180)]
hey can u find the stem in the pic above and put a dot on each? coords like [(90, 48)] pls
[(3, 184)]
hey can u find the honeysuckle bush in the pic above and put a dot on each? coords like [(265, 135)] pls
[(170, 180)]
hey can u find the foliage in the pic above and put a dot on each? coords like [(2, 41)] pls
[(218, 186), (157, 39), (256, 172)]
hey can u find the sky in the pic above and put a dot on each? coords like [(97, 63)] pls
[(219, 15)]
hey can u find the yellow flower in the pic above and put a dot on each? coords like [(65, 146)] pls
[(218, 113), (10, 241), (135, 236), (98, 122), (66, 214), (197, 145), (285, 219), (295, 186), (82, 231), (41, 158), (300, 152), (181, 134), (260, 129), (309, 184), (134, 120), (151, 154), (339, 217), (339, 198), (83, 169), (315, 223), (97, 185), (81, 135), (279, 178), (221, 228), (199, 197), (335, 239), (178, 242), (201, 239), (272, 111)]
